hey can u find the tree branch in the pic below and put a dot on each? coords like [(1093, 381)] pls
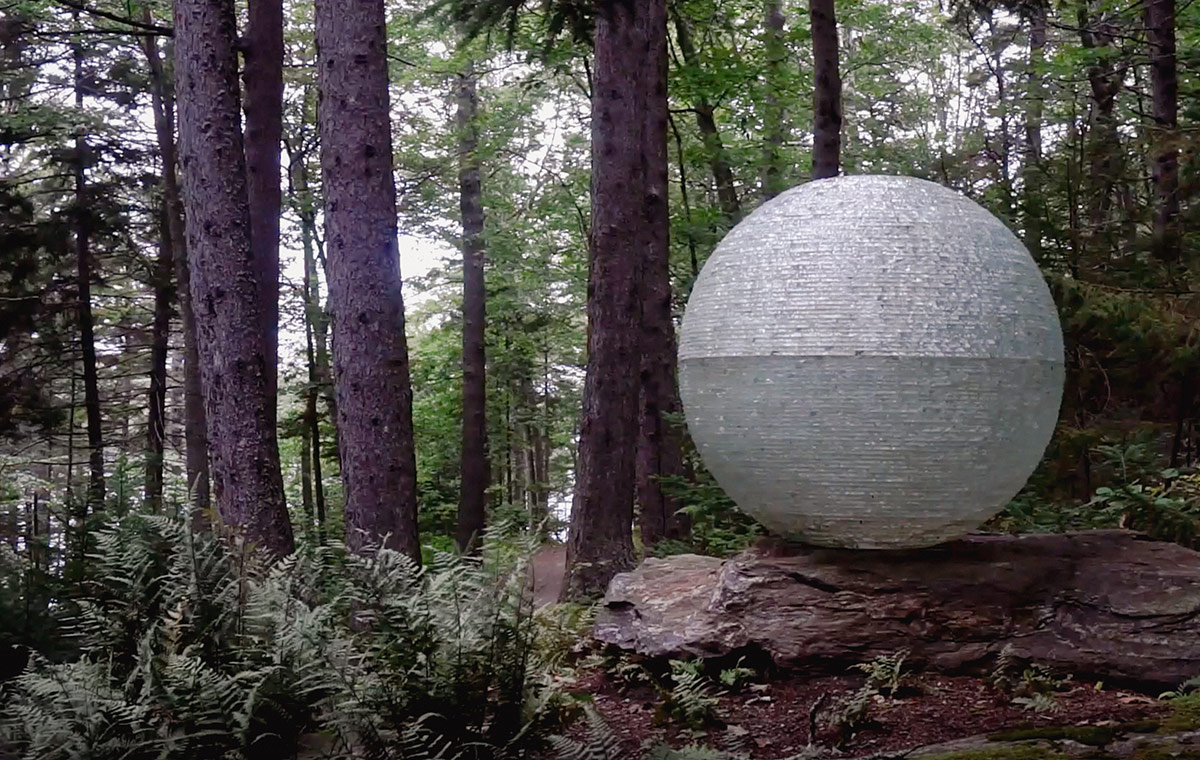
[(165, 31)]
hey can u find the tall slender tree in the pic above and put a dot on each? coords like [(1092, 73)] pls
[(601, 536), (1098, 35), (263, 78), (374, 394), (1035, 96), (474, 468), (1164, 96), (82, 224), (195, 432), (659, 454), (774, 128), (225, 288), (714, 146), (163, 282), (827, 90)]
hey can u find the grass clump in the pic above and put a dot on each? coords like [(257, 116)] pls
[(1185, 713)]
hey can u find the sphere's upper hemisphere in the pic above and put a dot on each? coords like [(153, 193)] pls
[(871, 266)]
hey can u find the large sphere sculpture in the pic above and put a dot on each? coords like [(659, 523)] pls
[(871, 362)]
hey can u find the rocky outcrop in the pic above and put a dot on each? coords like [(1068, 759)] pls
[(1101, 604)]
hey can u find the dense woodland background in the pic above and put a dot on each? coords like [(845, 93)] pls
[(1075, 122)]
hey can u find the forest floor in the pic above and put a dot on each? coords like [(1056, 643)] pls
[(776, 719)]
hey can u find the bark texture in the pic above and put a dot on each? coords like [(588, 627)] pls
[(658, 446), (234, 358), (195, 427), (827, 91), (474, 466), (374, 394), (601, 536), (263, 77), (1164, 93), (1104, 604)]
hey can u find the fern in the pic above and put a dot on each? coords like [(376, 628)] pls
[(599, 742), (690, 700), (192, 648), (885, 673)]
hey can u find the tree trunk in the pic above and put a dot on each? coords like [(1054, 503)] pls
[(263, 77), (156, 427), (474, 470), (313, 316), (306, 484), (374, 394), (827, 90), (316, 316), (1104, 142), (601, 535), (1164, 89), (773, 126), (232, 346), (87, 339), (718, 159), (658, 446), (1034, 103), (195, 426)]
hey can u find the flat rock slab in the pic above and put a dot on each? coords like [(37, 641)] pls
[(1099, 604)]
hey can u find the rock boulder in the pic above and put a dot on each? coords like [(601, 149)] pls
[(1099, 604)]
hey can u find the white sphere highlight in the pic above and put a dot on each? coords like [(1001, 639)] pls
[(871, 362)]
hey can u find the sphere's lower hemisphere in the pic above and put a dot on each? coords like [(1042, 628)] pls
[(870, 452)]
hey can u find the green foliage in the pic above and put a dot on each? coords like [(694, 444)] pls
[(1187, 687), (736, 678), (1032, 686), (690, 700), (598, 742), (851, 713), (885, 673), (719, 528), (1185, 713), (192, 647)]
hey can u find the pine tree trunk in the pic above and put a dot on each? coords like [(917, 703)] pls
[(773, 124), (1034, 104), (316, 320), (156, 427), (1104, 143), (87, 339), (1164, 90), (658, 446), (195, 426), (306, 483), (313, 315), (374, 395), (233, 350), (474, 469), (827, 90), (263, 77), (601, 535), (718, 158)]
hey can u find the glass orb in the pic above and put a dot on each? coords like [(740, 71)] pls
[(871, 362)]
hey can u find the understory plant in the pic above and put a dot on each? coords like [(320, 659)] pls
[(193, 647)]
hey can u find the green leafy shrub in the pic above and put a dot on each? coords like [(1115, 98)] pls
[(191, 647)]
